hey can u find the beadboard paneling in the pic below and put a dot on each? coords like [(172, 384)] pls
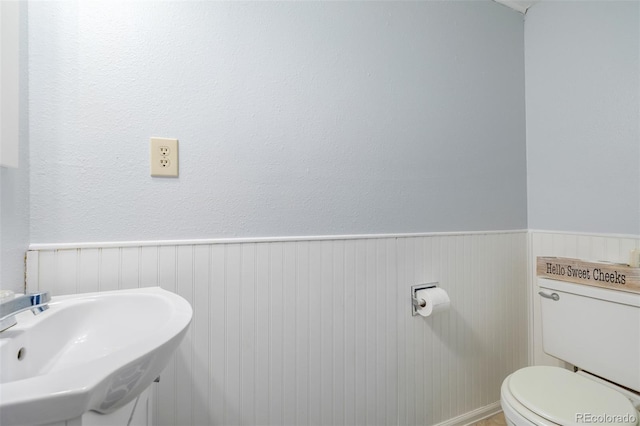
[(320, 332), (607, 248)]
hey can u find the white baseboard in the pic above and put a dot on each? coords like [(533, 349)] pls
[(473, 416)]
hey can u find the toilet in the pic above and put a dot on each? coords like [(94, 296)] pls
[(597, 330)]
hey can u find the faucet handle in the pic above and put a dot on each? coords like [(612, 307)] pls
[(36, 302)]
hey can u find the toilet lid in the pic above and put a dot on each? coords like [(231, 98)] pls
[(567, 398)]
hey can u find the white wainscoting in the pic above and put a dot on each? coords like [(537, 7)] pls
[(610, 248), (320, 332)]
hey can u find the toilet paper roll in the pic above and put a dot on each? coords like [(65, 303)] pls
[(436, 298)]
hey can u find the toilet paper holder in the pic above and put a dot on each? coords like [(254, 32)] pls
[(419, 303)]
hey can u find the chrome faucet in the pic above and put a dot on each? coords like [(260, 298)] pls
[(37, 302)]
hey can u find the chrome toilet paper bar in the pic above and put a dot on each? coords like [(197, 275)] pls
[(419, 303)]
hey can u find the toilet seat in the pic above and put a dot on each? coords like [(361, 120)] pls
[(555, 396), (516, 413)]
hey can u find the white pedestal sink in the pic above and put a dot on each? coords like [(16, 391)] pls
[(92, 351)]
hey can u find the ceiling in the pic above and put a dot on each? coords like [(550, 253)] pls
[(519, 5)]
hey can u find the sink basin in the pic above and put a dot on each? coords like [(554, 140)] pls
[(91, 351)]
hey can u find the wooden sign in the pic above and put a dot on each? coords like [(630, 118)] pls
[(600, 274)]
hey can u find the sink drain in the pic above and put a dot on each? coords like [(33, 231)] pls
[(21, 353)]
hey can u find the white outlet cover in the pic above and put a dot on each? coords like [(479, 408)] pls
[(163, 157)]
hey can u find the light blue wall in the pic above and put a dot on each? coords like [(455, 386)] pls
[(583, 116), (294, 118), (14, 189)]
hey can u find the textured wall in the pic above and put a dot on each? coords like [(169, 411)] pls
[(583, 116), (294, 118), (14, 189), (321, 332)]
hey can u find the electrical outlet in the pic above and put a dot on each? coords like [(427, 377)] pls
[(164, 157)]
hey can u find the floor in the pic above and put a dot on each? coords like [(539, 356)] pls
[(495, 420)]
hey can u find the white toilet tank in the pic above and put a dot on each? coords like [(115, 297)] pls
[(595, 329)]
